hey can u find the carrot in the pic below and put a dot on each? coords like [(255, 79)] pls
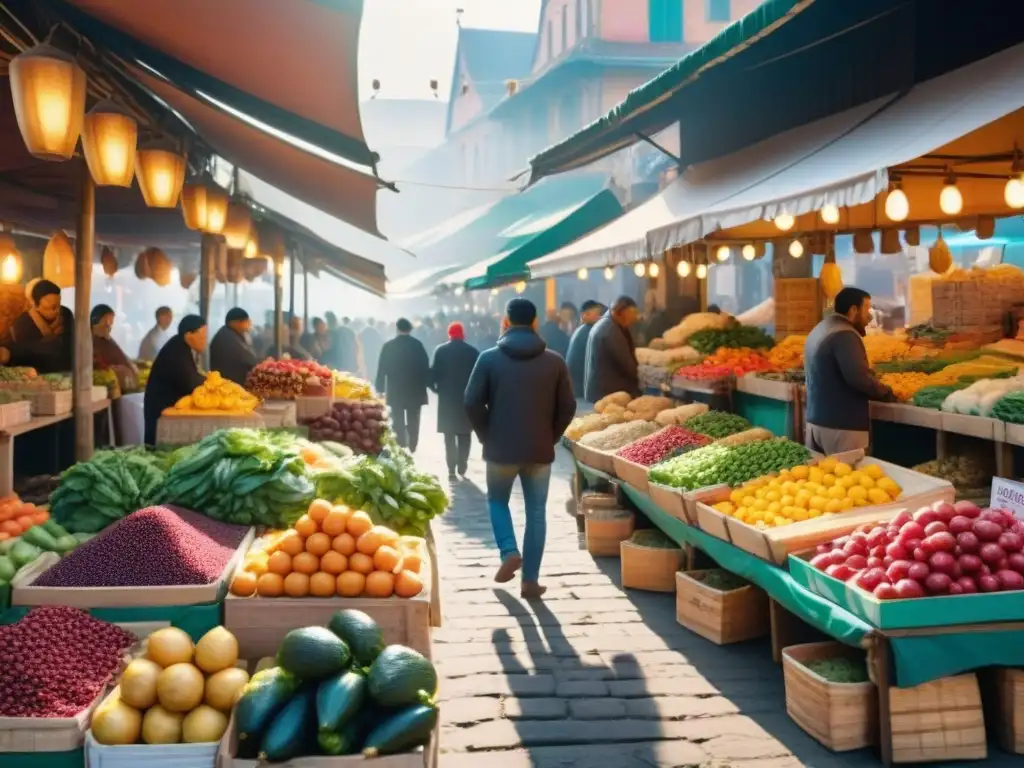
[(40, 516), (25, 521), (10, 527), (6, 513), (4, 535)]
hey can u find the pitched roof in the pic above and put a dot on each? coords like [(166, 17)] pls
[(491, 57)]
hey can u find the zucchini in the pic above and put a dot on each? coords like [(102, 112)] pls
[(403, 731), (261, 699), (38, 537), (291, 731), (54, 528), (349, 739), (338, 698)]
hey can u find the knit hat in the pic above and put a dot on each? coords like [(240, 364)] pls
[(456, 332)]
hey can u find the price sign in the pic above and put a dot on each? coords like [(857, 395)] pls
[(1009, 495)]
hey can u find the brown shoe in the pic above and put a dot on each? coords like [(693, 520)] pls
[(508, 568), (531, 590)]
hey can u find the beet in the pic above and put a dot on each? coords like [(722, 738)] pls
[(991, 553), (968, 543), (154, 547), (960, 524), (918, 571), (1010, 580), (937, 583), (1011, 542), (55, 661)]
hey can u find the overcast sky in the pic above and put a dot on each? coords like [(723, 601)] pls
[(406, 43)]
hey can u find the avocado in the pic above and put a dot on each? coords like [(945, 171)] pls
[(360, 632), (292, 730), (338, 698), (402, 731), (313, 653), (263, 697), (399, 675)]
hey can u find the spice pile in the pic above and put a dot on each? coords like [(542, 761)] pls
[(732, 465), (287, 379), (717, 424), (617, 435), (724, 363), (154, 547), (670, 440), (788, 353), (736, 336), (55, 661)]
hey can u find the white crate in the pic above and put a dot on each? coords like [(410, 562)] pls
[(149, 755)]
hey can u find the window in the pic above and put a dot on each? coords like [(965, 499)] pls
[(551, 40), (580, 20), (565, 29), (718, 10), (665, 20)]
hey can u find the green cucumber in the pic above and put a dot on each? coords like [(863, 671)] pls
[(54, 528), (66, 543), (38, 537), (262, 698), (402, 731), (338, 698), (23, 553), (349, 739), (360, 632), (8, 544), (7, 569), (291, 730)]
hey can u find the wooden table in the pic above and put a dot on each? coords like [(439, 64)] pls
[(8, 434)]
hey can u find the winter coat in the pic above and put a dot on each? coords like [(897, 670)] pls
[(174, 375), (611, 361), (576, 358), (403, 373), (232, 355), (519, 399), (449, 375), (556, 339)]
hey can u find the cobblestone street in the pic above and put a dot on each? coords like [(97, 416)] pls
[(593, 675)]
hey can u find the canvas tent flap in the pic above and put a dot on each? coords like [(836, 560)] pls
[(420, 283), (294, 69)]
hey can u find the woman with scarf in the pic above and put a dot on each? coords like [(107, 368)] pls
[(175, 371), (106, 353), (43, 337)]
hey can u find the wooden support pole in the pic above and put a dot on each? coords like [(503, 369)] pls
[(208, 253), (85, 246), (292, 269), (550, 295), (278, 257), (305, 299)]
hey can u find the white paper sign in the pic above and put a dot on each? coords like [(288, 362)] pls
[(1008, 494)]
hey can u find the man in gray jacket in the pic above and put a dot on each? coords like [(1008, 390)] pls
[(519, 400), (840, 384), (611, 353)]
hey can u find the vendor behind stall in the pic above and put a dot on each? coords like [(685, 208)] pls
[(231, 351), (106, 353), (43, 337), (175, 371)]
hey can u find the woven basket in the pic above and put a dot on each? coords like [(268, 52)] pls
[(307, 407), (183, 430), (606, 529), (649, 568)]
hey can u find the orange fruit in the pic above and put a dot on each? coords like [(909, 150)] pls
[(306, 562), (318, 544), (270, 585), (305, 526), (369, 542), (387, 536), (360, 563), (244, 584), (322, 584), (387, 559), (280, 563), (258, 563), (296, 584), (318, 510), (408, 584), (335, 522), (350, 584), (291, 542), (380, 584), (358, 524), (334, 563), (412, 561), (344, 544)]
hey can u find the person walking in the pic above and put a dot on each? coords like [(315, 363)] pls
[(519, 400), (403, 375), (576, 359), (840, 384), (372, 341), (611, 353), (449, 375)]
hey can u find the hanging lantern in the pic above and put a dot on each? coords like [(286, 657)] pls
[(654, 269), (459, 290), (109, 138), (609, 273), (217, 202), (796, 249), (912, 235), (193, 205), (702, 271), (950, 200), (59, 261), (722, 253), (252, 248), (161, 171), (48, 90), (683, 268), (639, 270), (108, 261), (10, 260), (785, 222), (520, 287), (1013, 193), (254, 268), (494, 291), (186, 279), (237, 226), (897, 206), (830, 213), (582, 273), (749, 252)]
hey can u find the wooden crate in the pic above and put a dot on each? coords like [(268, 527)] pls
[(798, 305), (312, 407), (631, 473), (940, 720), (721, 617), (15, 414), (36, 734), (606, 529), (49, 403), (1010, 707), (176, 429), (842, 716), (671, 501), (649, 568), (599, 460)]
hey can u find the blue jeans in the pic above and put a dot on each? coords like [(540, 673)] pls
[(534, 479)]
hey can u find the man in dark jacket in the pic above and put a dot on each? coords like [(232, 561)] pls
[(372, 342), (403, 375), (453, 363), (231, 351), (611, 354), (556, 339), (520, 401), (576, 359), (840, 384), (175, 371)]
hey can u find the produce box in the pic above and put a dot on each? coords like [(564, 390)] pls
[(938, 721), (649, 568), (185, 428), (48, 403), (99, 394), (599, 460), (775, 544), (752, 384), (723, 617), (606, 529), (15, 414), (1013, 433), (24, 594), (901, 413), (72, 758), (672, 501), (1009, 685), (312, 407), (630, 472), (424, 757), (151, 755), (913, 613), (50, 734), (974, 426), (278, 413)]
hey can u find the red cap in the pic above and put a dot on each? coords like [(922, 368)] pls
[(456, 332)]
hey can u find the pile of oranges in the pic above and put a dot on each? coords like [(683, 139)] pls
[(333, 551)]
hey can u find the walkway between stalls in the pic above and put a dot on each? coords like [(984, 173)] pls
[(594, 675)]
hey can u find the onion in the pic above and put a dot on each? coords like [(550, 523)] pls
[(901, 519), (969, 563), (944, 510), (906, 588), (956, 589), (912, 530), (870, 579), (968, 542), (1010, 580), (938, 583), (918, 571), (857, 562), (967, 584), (987, 530), (898, 570), (1016, 561), (988, 583), (1011, 542), (991, 553), (967, 508), (960, 524), (896, 551), (886, 591), (939, 542), (937, 527)]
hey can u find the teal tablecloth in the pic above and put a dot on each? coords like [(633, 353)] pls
[(916, 660)]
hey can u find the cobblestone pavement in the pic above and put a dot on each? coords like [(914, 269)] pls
[(594, 675)]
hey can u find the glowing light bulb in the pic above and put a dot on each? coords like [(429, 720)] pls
[(494, 291), (683, 268), (702, 271), (459, 290), (639, 270), (796, 249), (609, 273), (897, 206), (950, 200), (653, 270), (749, 252), (1013, 192), (521, 287), (830, 213), (10, 269), (582, 273), (785, 222), (722, 253)]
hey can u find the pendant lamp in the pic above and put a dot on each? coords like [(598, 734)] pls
[(161, 170), (59, 261), (48, 91), (109, 139), (10, 260), (237, 225), (217, 202), (193, 205)]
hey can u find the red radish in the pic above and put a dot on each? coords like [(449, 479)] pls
[(877, 562), (1015, 560), (856, 547), (887, 561), (878, 551), (942, 541), (1010, 580), (870, 579), (898, 570), (841, 572), (886, 591), (1011, 542), (901, 519), (968, 542), (938, 583), (896, 551), (907, 588), (944, 510), (920, 555), (821, 549), (967, 584), (988, 583), (942, 562), (911, 544), (912, 530), (955, 589), (969, 563), (857, 562), (995, 516), (967, 509), (822, 561), (960, 524), (937, 527), (1002, 565), (924, 516), (987, 530), (991, 553), (877, 537), (918, 571)]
